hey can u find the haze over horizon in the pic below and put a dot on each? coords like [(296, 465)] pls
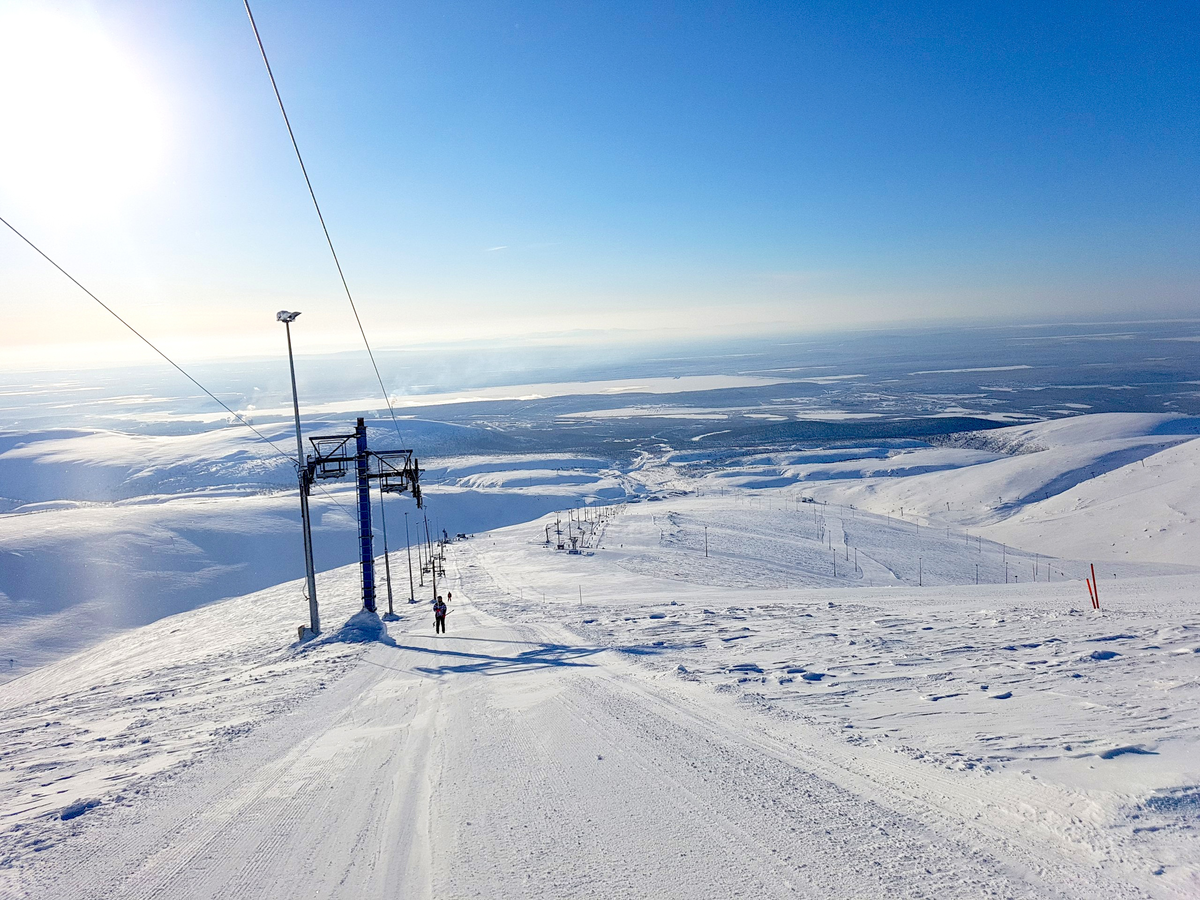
[(631, 171)]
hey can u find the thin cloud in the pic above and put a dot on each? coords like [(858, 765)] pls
[(494, 249)]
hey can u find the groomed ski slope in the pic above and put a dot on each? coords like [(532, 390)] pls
[(657, 739), (642, 720)]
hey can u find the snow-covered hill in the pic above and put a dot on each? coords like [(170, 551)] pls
[(730, 692), (1118, 486), (898, 688), (1148, 510), (107, 531)]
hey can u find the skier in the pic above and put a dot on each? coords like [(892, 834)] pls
[(448, 596), (439, 615)]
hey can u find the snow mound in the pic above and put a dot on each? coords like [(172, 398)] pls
[(364, 627)]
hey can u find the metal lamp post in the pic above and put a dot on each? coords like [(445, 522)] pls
[(287, 318)]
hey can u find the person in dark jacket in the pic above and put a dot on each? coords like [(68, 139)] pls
[(439, 615)]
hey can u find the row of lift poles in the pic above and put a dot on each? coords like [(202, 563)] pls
[(394, 471), (576, 518)]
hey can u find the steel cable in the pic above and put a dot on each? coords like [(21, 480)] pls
[(321, 217), (240, 418)]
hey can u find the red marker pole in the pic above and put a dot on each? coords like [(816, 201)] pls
[(1095, 588)]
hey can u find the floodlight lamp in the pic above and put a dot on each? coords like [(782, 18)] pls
[(286, 317)]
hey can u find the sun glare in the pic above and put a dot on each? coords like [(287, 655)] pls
[(82, 127)]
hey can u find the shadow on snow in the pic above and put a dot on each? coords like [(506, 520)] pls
[(544, 656)]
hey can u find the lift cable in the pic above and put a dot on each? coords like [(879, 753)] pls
[(151, 345), (317, 206)]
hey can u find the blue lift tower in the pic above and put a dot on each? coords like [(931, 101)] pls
[(394, 471)]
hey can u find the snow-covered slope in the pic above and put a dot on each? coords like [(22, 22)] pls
[(109, 531), (729, 692), (98, 726), (1013, 705), (105, 531), (637, 720), (1148, 510), (1119, 486)]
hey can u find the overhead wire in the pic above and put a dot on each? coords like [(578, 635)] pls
[(329, 240), (320, 216), (142, 337), (240, 418)]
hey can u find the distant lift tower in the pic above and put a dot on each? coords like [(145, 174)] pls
[(396, 472)]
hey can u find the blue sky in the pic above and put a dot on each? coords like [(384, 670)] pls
[(521, 168)]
